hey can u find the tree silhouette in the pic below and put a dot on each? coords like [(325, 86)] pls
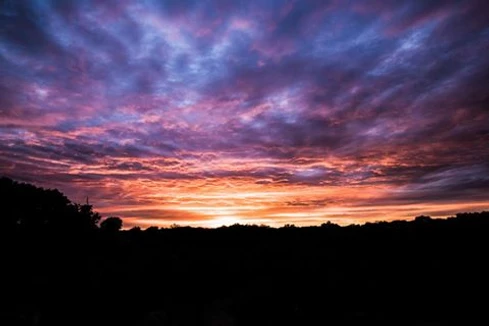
[(88, 216), (111, 224), (26, 206)]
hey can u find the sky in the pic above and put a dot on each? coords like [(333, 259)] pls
[(208, 113)]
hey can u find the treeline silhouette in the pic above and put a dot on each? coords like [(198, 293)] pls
[(62, 264)]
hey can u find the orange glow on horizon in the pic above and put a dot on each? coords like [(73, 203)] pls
[(216, 202)]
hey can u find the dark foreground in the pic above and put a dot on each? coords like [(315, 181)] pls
[(424, 272)]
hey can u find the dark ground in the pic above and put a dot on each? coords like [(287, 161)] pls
[(424, 272)]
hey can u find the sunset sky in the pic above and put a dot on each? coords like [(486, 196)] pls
[(267, 112)]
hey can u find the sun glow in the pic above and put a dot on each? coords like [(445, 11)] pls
[(223, 221)]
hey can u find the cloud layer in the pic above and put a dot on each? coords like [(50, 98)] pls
[(209, 112)]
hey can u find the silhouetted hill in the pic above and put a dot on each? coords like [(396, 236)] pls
[(422, 272)]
